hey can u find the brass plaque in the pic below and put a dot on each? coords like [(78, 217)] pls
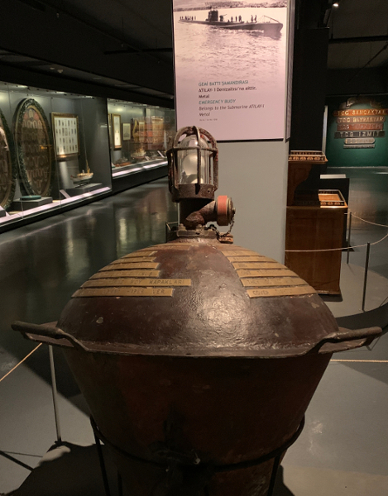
[(273, 281), (122, 273), (360, 141), (142, 253), (180, 246), (359, 134), (130, 281), (139, 265), (265, 273), (117, 292), (241, 253), (134, 259), (340, 113), (360, 127), (258, 265), (351, 120), (257, 258), (292, 291)]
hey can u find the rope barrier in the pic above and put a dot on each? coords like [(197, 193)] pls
[(359, 361), (21, 361), (348, 247), (368, 221)]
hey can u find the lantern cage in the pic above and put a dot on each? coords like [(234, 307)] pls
[(193, 165)]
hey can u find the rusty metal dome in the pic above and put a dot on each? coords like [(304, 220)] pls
[(200, 298)]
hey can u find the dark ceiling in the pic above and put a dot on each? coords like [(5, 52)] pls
[(127, 44)]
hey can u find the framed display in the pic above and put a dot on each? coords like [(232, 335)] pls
[(126, 131), (66, 135), (116, 128), (7, 164), (110, 130), (34, 148), (234, 84)]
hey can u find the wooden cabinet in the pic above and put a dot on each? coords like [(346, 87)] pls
[(317, 228)]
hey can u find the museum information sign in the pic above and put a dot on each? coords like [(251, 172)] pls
[(230, 67)]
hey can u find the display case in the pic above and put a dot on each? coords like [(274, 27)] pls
[(139, 136), (54, 151)]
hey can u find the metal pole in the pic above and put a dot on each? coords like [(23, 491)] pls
[(102, 463), (365, 275), (55, 394), (349, 233)]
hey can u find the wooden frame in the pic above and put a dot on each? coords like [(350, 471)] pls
[(126, 131), (66, 135), (110, 131), (116, 131), (34, 148), (8, 169)]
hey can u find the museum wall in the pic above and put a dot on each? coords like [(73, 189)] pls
[(254, 175), (356, 131)]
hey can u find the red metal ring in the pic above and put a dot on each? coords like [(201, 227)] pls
[(222, 210)]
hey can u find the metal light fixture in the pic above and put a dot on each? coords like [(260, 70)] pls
[(193, 162), (193, 180)]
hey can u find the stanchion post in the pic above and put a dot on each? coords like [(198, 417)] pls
[(349, 233), (55, 394), (365, 275)]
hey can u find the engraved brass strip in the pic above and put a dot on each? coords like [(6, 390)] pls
[(130, 281), (123, 273), (250, 259), (94, 292), (138, 265), (240, 253), (265, 273), (273, 281), (257, 265), (180, 246), (133, 260), (144, 253), (295, 291)]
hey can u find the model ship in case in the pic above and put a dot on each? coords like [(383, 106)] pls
[(83, 177)]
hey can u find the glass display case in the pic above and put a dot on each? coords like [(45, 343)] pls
[(54, 151), (139, 136)]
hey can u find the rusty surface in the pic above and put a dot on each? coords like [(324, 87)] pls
[(159, 408), (214, 313)]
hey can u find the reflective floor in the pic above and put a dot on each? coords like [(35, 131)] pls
[(343, 449)]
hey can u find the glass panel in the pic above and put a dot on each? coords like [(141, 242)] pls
[(139, 136), (54, 150), (8, 169), (188, 161)]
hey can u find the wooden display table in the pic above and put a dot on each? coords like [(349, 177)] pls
[(317, 228)]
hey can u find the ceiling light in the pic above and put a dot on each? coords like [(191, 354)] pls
[(335, 4)]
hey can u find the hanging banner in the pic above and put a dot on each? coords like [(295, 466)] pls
[(231, 67)]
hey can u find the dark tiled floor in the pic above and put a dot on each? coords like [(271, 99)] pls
[(343, 449)]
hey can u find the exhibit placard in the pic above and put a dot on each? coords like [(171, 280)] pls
[(231, 67)]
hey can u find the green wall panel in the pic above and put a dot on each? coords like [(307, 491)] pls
[(339, 156)]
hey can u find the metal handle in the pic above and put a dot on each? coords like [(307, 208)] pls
[(347, 339), (50, 331)]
